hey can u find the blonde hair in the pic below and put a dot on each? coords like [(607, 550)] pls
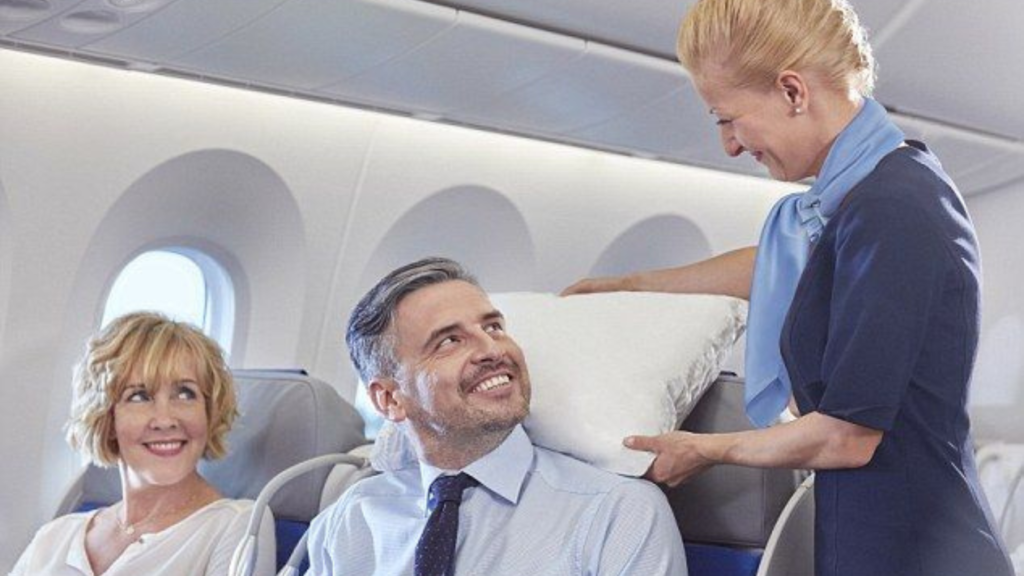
[(152, 346), (755, 40)]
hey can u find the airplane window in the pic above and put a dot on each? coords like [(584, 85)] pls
[(185, 284)]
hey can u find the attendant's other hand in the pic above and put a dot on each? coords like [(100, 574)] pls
[(677, 456), (593, 285)]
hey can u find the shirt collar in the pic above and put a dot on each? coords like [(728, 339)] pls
[(77, 557), (502, 470)]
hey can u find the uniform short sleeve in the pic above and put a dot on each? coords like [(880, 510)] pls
[(890, 265)]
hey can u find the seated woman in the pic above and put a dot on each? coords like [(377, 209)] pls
[(152, 397)]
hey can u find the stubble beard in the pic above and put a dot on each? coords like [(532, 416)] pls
[(455, 439)]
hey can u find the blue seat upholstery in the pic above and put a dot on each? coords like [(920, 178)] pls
[(711, 560)]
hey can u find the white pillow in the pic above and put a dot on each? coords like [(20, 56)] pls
[(605, 366)]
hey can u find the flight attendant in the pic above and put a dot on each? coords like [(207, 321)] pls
[(864, 298)]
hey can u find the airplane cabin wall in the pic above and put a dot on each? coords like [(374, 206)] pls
[(997, 394), (305, 205), (5, 257)]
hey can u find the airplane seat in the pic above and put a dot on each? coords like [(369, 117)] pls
[(734, 521), (1001, 472), (727, 514), (286, 417), (790, 548)]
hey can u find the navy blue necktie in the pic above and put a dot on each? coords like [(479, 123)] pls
[(435, 553)]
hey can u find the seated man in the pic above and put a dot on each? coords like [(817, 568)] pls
[(481, 499)]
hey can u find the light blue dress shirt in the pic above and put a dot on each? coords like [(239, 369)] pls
[(536, 512)]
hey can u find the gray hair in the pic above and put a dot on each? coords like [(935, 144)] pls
[(371, 343)]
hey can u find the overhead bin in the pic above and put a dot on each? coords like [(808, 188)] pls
[(676, 126), (423, 58), (72, 24), (26, 14), (649, 25), (977, 162), (180, 27), (476, 60), (307, 44), (603, 83), (987, 71), (16, 16), (659, 129)]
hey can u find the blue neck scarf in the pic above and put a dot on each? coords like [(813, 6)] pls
[(793, 225)]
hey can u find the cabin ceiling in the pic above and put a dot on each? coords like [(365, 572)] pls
[(597, 73)]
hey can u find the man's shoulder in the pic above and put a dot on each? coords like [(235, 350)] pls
[(386, 486), (390, 484), (567, 474)]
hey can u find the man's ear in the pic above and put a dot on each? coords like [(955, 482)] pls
[(387, 399)]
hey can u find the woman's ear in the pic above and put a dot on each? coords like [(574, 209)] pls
[(794, 89), (387, 399)]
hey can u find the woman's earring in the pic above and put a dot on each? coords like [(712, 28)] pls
[(798, 110)]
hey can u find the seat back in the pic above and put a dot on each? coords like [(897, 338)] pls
[(286, 417), (790, 549), (727, 513)]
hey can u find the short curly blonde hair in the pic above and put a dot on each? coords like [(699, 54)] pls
[(755, 40), (153, 346)]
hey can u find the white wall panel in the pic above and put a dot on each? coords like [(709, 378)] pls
[(997, 396), (470, 224), (632, 249), (6, 242), (76, 138)]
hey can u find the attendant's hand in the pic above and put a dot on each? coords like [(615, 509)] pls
[(677, 456), (592, 285)]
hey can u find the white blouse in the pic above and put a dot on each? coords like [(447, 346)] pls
[(200, 545)]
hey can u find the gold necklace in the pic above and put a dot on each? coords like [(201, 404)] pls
[(130, 528)]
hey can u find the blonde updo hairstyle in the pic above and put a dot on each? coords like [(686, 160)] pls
[(755, 40), (152, 346)]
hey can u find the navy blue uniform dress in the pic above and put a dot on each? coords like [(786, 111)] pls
[(882, 332)]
